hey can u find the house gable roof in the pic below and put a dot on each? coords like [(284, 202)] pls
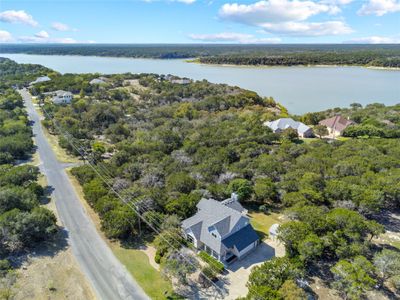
[(285, 123), (214, 216), (337, 123), (242, 238)]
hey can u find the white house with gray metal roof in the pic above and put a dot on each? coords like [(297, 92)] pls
[(60, 96), (99, 81), (280, 125), (40, 79), (222, 229)]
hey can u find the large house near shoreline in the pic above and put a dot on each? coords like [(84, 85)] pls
[(280, 125), (99, 81), (336, 125), (222, 229)]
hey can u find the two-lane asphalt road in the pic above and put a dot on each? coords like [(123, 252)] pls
[(107, 275)]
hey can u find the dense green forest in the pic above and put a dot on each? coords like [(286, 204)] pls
[(24, 223), (268, 55), (164, 146), (369, 58), (13, 74)]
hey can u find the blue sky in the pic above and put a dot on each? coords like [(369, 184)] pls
[(200, 21)]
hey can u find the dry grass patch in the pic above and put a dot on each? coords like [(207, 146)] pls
[(52, 273)]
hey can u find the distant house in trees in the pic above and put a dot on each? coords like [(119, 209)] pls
[(40, 79), (280, 125), (177, 80), (181, 81), (60, 97), (222, 229), (100, 80), (336, 125)]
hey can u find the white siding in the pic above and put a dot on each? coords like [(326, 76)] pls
[(247, 249)]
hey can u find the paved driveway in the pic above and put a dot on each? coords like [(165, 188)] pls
[(239, 271)]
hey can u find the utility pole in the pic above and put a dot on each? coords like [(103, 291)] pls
[(139, 225)]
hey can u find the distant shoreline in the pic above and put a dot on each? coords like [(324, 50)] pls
[(196, 61)]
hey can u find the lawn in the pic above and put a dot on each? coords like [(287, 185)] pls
[(396, 244), (137, 263), (263, 221)]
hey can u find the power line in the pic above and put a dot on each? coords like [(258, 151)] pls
[(106, 178)]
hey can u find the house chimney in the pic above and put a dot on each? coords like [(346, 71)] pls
[(234, 197)]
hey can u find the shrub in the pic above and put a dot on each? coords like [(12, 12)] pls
[(395, 282), (242, 187), (207, 274), (214, 264), (5, 266), (157, 257)]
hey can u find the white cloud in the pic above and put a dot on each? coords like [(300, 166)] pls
[(287, 17), (308, 28), (5, 36), (42, 35), (337, 2), (17, 16), (375, 40), (379, 7), (233, 37), (60, 26), (273, 11), (38, 38)]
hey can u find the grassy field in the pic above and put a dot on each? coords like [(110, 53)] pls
[(136, 261), (263, 221), (396, 244)]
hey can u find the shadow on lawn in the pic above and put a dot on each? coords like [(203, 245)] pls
[(139, 241), (255, 208)]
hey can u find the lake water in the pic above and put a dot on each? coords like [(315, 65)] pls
[(300, 89)]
